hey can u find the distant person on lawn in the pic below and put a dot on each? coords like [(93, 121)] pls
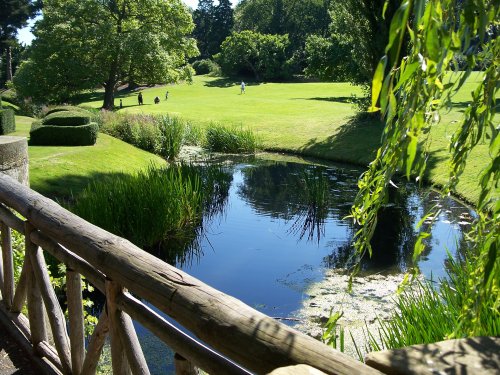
[(166, 95), (157, 100), (139, 98), (242, 87)]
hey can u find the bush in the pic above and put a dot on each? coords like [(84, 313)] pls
[(67, 118), (206, 66), (230, 140), (56, 135), (7, 121), (9, 96)]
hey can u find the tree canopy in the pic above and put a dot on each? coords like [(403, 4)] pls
[(85, 44), (253, 54)]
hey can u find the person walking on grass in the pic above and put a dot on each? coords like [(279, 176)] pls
[(242, 87), (139, 98)]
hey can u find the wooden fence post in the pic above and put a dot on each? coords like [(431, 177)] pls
[(76, 322), (118, 357), (8, 265), (36, 313)]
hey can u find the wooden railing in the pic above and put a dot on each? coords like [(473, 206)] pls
[(241, 339)]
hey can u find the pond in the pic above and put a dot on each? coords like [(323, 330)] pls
[(280, 225)]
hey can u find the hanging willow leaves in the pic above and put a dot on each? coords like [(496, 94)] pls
[(411, 95)]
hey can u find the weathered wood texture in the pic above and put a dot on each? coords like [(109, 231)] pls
[(472, 356), (55, 313), (8, 266), (96, 344), (76, 322), (245, 335)]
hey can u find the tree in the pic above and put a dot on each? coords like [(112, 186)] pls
[(298, 19), (359, 32), (14, 14), (203, 20), (249, 53), (410, 90), (87, 44), (222, 25)]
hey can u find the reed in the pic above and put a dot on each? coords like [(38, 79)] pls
[(234, 140), (155, 205), (430, 313), (171, 135)]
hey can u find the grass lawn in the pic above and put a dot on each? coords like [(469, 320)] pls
[(60, 172), (310, 119)]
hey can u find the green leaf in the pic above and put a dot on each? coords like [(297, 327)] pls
[(378, 78)]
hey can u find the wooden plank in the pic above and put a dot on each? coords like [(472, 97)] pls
[(201, 355), (76, 322), (36, 314), (118, 357), (8, 266), (96, 343), (55, 314), (472, 356), (227, 324), (21, 290)]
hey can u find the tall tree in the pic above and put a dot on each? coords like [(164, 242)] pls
[(84, 44), (222, 25), (14, 14), (203, 21)]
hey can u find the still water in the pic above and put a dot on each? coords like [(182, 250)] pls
[(278, 225)]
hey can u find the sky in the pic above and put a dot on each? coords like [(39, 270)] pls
[(25, 36)]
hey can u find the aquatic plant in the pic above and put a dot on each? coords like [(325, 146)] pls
[(171, 135), (155, 206), (234, 139)]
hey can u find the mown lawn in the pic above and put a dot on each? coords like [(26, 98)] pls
[(60, 172), (310, 119)]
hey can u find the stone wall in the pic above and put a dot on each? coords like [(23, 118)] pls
[(14, 158)]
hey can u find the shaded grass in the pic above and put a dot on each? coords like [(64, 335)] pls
[(61, 172)]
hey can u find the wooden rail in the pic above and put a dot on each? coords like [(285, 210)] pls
[(237, 339)]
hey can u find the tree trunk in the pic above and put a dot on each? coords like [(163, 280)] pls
[(109, 95), (8, 61)]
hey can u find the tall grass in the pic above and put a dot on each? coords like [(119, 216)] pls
[(154, 205), (230, 139), (171, 135), (430, 314)]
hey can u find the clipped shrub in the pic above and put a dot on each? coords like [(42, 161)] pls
[(67, 118), (66, 108), (7, 121), (56, 135), (230, 140), (9, 96)]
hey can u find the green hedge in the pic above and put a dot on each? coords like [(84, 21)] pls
[(7, 121), (67, 118), (65, 108), (56, 135)]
